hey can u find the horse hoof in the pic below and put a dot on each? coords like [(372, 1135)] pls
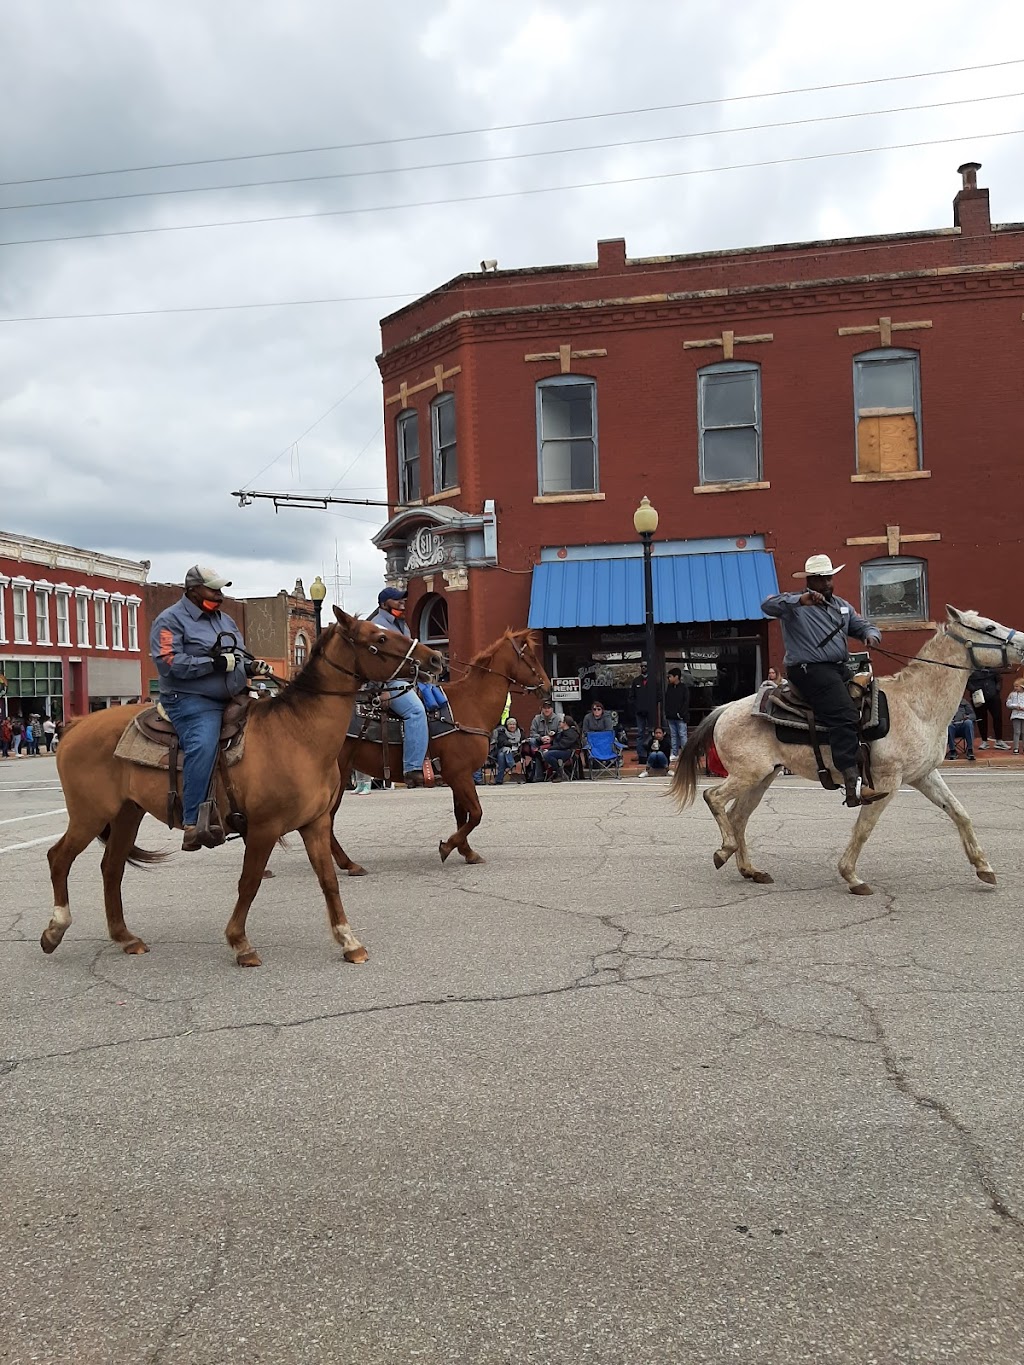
[(861, 889), (474, 858), (50, 942), (987, 876), (357, 954), (135, 947), (266, 875), (443, 850), (356, 871), (249, 959), (762, 878), (720, 859)]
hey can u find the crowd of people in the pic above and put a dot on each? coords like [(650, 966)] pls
[(27, 737)]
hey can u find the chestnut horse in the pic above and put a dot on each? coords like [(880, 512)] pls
[(477, 702), (922, 698), (286, 779)]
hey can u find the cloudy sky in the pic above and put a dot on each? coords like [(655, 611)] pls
[(127, 433)]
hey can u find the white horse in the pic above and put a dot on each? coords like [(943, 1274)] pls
[(922, 698)]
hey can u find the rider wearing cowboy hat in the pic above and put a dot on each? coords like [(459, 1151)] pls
[(816, 654)]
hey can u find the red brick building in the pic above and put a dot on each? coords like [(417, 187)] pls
[(860, 397), (73, 631)]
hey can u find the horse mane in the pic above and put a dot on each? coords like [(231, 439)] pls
[(300, 690), (526, 636)]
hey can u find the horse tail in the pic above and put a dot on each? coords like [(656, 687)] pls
[(684, 784), (137, 857)]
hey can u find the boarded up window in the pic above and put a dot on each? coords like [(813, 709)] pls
[(888, 411)]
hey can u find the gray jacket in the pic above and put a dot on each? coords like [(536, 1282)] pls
[(818, 635)]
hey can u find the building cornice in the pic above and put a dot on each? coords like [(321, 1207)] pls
[(790, 296), (54, 555)]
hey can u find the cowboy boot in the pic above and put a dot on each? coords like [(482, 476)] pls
[(850, 776)]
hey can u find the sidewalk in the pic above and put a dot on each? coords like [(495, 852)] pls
[(999, 760)]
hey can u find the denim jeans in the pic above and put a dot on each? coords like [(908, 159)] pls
[(197, 721), (677, 733), (963, 729), (414, 747), (657, 759), (507, 759)]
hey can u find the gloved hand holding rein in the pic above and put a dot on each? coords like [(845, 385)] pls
[(224, 663)]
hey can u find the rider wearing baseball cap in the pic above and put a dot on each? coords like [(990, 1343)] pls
[(404, 701)]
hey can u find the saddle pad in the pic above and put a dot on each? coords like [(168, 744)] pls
[(134, 747), (438, 725), (787, 733)]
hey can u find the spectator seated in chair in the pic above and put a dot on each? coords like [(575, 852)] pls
[(562, 749), (506, 749), (961, 727), (543, 729)]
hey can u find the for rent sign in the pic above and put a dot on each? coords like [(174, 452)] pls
[(566, 689)]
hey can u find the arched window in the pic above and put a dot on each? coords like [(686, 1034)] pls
[(433, 629), (729, 422), (567, 434), (301, 649), (887, 410), (894, 589)]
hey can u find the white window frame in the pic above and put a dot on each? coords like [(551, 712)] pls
[(4, 583), (887, 355), (705, 376), (441, 402), (132, 603), (63, 617), (301, 647), (116, 621), (82, 596), (42, 602), (550, 385), (408, 420), (99, 619), (19, 608), (888, 561)]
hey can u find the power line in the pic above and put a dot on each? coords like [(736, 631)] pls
[(207, 308), (511, 156), (511, 194), (515, 127), (291, 444)]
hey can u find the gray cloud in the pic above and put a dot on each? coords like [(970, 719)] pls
[(129, 434)]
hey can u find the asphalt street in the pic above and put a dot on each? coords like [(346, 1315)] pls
[(592, 1101)]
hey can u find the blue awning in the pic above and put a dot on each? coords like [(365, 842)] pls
[(576, 593)]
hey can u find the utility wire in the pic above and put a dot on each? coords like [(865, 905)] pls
[(292, 444), (512, 194), (511, 156), (515, 127)]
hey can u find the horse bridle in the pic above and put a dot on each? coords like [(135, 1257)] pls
[(1002, 646), (351, 673), (525, 688)]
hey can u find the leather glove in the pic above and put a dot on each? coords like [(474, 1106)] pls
[(261, 669), (224, 663)]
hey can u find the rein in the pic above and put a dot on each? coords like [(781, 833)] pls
[(351, 673), (970, 645), (524, 688)]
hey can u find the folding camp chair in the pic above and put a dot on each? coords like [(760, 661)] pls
[(602, 752)]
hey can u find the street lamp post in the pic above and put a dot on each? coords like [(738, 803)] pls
[(317, 592), (645, 520)]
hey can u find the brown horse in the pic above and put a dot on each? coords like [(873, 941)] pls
[(477, 702), (287, 779)]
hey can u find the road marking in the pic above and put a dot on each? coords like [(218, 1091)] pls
[(60, 810), (13, 848)]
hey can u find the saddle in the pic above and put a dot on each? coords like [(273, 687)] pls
[(375, 723), (794, 721), (152, 741)]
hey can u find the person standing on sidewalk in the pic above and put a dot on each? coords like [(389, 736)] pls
[(677, 711), (983, 685), (1015, 706)]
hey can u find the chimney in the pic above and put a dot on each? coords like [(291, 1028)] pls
[(970, 207), (611, 255)]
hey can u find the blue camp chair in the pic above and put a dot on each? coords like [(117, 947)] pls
[(602, 752)]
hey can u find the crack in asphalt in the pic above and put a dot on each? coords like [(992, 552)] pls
[(214, 1276)]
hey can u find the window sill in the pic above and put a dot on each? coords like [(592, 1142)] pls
[(885, 626), (569, 497), (896, 476), (729, 487), (444, 495)]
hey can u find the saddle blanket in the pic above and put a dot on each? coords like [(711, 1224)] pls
[(135, 747), (791, 725)]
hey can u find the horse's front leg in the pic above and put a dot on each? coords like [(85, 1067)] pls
[(259, 845), (468, 813), (867, 819), (939, 794), (339, 855), (317, 838)]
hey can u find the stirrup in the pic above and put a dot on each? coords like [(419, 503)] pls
[(868, 796)]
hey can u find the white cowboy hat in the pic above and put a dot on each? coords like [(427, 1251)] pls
[(819, 566)]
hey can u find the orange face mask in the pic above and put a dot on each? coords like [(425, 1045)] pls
[(209, 606)]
